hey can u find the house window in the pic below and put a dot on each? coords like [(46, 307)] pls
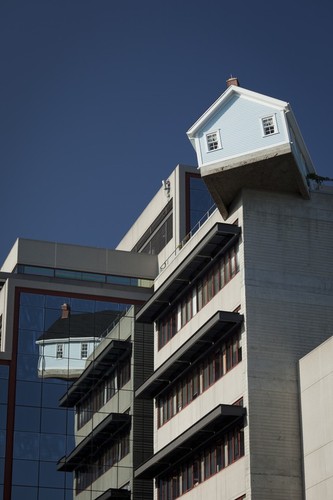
[(269, 125), (60, 351), (213, 141), (84, 350)]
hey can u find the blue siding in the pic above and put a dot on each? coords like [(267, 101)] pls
[(239, 122)]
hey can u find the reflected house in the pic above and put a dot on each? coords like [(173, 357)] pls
[(67, 344)]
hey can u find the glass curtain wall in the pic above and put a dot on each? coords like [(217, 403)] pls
[(51, 330)]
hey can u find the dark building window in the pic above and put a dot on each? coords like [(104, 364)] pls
[(160, 238), (227, 449), (209, 370), (198, 201), (202, 292), (158, 234)]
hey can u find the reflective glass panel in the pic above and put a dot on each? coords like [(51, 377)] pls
[(43, 431), (200, 202)]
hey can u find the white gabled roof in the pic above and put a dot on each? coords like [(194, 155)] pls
[(225, 97)]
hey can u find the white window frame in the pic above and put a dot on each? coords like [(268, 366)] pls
[(60, 351), (273, 117), (84, 349), (218, 140)]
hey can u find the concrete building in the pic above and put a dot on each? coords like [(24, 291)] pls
[(234, 310)]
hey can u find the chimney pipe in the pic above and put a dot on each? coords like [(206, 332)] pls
[(65, 311), (232, 81)]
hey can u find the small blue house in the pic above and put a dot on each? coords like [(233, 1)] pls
[(249, 140)]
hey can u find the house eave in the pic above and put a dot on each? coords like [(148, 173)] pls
[(231, 91)]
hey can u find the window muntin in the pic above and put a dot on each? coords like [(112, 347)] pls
[(204, 290), (228, 448), (269, 125), (59, 351), (213, 140), (202, 375), (84, 350)]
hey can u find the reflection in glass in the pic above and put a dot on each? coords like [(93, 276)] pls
[(26, 370), (24, 492), (27, 419), (26, 445), (3, 416), (43, 431), (200, 201), (32, 318), (25, 473), (28, 393)]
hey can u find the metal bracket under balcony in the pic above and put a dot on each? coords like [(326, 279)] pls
[(190, 441), (215, 243), (112, 354), (217, 327), (110, 426)]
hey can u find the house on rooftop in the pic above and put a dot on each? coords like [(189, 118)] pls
[(249, 140)]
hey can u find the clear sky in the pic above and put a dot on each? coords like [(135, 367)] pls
[(97, 95)]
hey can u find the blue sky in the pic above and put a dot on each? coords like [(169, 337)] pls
[(97, 95)]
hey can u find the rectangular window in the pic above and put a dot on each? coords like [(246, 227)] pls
[(84, 350), (213, 141), (269, 125), (210, 460), (199, 296), (203, 291), (60, 351), (124, 373)]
